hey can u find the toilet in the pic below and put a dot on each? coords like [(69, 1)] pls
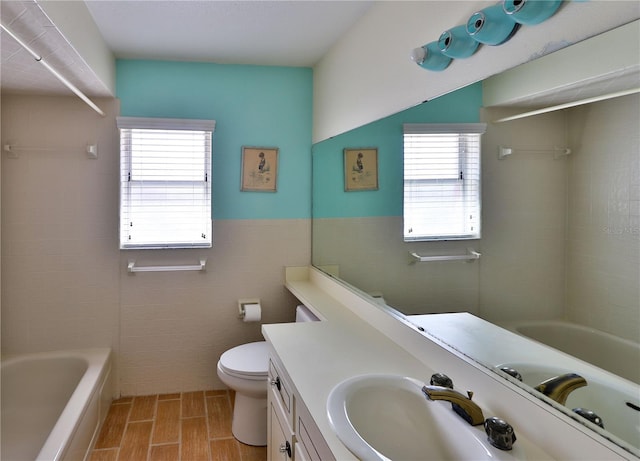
[(244, 369)]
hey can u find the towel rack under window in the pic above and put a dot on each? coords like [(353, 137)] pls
[(470, 256), (196, 267)]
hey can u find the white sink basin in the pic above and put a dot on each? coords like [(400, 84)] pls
[(381, 417)]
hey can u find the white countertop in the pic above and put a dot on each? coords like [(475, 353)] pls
[(319, 355)]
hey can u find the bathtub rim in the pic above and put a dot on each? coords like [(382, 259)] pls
[(99, 366), (513, 326), (590, 371), (463, 331)]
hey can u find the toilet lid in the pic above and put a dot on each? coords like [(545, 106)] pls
[(250, 359)]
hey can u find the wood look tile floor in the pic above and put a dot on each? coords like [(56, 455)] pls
[(188, 426)]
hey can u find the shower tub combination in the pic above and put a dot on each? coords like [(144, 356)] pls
[(540, 350), (608, 363), (53, 403), (618, 356)]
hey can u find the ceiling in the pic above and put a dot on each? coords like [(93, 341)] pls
[(254, 32), (278, 33)]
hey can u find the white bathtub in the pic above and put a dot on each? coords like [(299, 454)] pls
[(609, 364), (615, 399), (618, 356), (53, 404)]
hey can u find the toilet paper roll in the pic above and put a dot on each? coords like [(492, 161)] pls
[(252, 313)]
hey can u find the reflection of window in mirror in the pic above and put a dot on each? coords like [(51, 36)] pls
[(442, 181)]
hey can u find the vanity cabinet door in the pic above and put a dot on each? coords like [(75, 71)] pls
[(300, 453), (280, 445), (309, 439), (280, 417)]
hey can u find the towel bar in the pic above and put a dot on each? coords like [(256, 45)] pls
[(199, 267), (471, 255)]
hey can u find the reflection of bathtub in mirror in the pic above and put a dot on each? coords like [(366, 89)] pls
[(615, 400), (616, 355), (606, 393)]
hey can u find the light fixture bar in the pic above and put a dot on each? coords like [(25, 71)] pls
[(567, 105), (57, 74)]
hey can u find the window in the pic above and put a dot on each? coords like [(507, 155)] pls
[(442, 181), (165, 183)]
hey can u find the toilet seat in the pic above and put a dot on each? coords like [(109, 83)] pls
[(247, 361)]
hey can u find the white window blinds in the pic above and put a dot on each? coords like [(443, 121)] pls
[(442, 181), (165, 183)]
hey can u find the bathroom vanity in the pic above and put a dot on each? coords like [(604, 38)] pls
[(305, 364), (291, 428), (308, 360)]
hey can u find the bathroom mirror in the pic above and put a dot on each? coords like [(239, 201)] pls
[(560, 236)]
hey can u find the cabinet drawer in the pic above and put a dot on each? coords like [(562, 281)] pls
[(282, 389)]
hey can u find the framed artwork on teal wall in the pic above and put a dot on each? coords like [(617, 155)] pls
[(259, 169), (360, 169)]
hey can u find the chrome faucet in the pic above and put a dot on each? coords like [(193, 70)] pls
[(558, 388), (460, 403)]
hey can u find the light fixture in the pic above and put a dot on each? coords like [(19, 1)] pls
[(530, 12), (430, 57), (491, 26), (457, 43)]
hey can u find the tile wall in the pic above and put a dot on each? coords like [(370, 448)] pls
[(65, 284), (64, 280), (373, 257), (59, 268), (523, 209), (603, 239), (561, 236)]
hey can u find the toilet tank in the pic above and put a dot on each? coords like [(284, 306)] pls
[(304, 314)]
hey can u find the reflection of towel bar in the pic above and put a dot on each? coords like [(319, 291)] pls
[(558, 152), (12, 150), (471, 255), (133, 268)]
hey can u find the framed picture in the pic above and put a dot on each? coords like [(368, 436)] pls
[(259, 169), (361, 169)]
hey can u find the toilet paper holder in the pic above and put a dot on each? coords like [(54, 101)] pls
[(243, 302)]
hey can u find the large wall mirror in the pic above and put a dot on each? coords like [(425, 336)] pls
[(560, 210)]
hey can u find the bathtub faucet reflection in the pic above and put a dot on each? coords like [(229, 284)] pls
[(558, 388)]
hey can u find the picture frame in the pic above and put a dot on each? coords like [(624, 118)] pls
[(259, 169), (360, 169)]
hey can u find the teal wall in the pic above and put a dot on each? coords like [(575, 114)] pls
[(329, 198), (252, 106)]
